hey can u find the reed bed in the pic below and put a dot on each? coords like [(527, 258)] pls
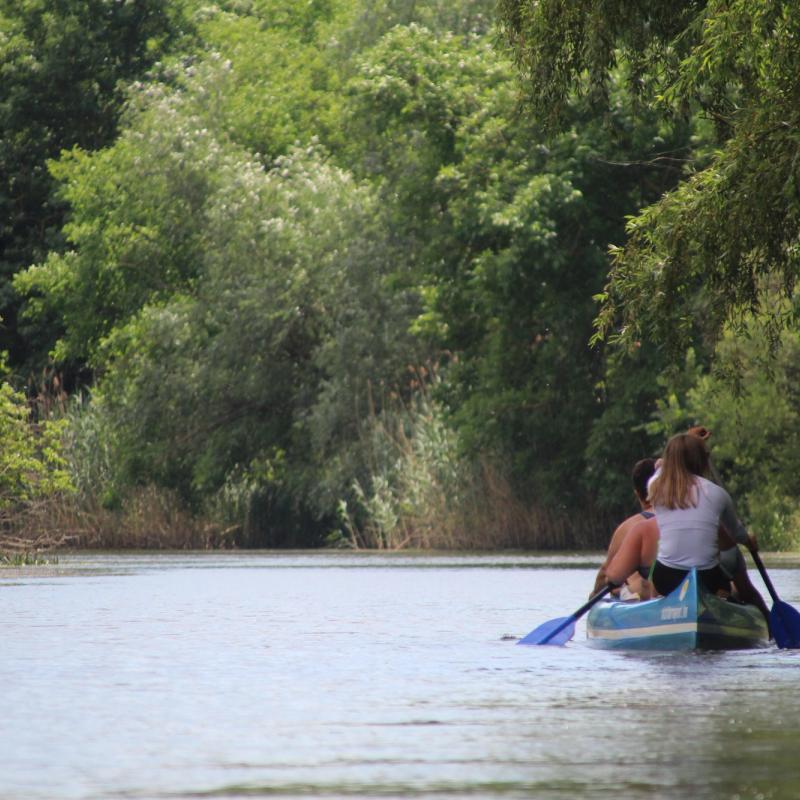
[(487, 515), (150, 519), (422, 493), (417, 491)]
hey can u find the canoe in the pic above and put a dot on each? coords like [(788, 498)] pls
[(691, 618)]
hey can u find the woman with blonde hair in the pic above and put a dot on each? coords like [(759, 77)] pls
[(689, 510)]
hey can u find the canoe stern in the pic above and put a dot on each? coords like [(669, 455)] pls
[(689, 618)]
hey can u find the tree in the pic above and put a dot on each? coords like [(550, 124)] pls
[(62, 65), (720, 245), (235, 315), (135, 226), (507, 233), (755, 431), (32, 461), (256, 374), (261, 75)]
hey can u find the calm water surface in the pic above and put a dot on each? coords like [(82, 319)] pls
[(366, 676)]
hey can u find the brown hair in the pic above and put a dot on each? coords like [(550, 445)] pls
[(642, 472), (685, 457)]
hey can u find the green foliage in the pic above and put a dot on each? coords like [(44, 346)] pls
[(290, 217), (719, 246), (26, 559), (362, 24), (713, 251), (407, 103), (136, 222), (62, 65), (233, 312), (263, 79), (563, 45), (302, 19), (621, 434), (89, 451), (507, 231), (713, 256), (416, 483), (32, 461), (262, 358), (755, 430)]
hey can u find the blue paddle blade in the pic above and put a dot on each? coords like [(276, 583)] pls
[(556, 631), (785, 623)]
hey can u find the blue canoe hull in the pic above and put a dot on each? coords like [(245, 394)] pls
[(690, 618)]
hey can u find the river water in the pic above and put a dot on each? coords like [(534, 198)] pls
[(241, 675)]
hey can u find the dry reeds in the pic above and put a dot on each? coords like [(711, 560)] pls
[(485, 515), (422, 494), (495, 518), (150, 518)]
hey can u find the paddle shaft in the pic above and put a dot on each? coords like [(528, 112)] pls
[(765, 577), (580, 612)]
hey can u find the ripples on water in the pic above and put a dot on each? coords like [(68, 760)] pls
[(340, 675)]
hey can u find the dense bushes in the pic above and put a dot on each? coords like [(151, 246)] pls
[(291, 217)]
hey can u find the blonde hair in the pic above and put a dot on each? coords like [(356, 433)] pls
[(685, 457)]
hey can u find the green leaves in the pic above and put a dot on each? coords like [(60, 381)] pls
[(313, 201), (507, 231), (755, 422), (32, 461), (62, 67), (712, 250)]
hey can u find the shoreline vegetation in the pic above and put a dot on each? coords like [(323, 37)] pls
[(156, 520), (79, 560), (391, 274)]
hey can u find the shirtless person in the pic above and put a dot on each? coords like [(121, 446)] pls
[(637, 586)]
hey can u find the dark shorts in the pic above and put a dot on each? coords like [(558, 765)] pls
[(667, 579)]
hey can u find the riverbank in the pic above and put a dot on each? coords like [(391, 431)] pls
[(76, 562), (488, 518)]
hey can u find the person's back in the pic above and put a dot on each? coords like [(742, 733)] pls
[(689, 511), (642, 472), (689, 536), (701, 529)]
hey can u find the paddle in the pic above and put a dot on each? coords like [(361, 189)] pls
[(560, 630), (783, 618)]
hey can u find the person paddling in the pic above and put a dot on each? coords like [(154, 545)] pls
[(689, 510), (731, 559), (636, 587)]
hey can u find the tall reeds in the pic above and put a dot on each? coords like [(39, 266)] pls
[(86, 509), (423, 493), (150, 518), (417, 490)]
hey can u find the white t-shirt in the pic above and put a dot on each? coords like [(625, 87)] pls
[(688, 536)]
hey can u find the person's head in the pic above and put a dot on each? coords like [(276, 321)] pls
[(642, 472), (685, 457)]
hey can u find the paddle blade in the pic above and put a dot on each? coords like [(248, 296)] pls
[(785, 623), (556, 631)]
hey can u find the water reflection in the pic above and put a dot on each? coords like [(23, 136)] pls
[(351, 675)]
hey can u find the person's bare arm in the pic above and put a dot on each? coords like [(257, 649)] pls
[(613, 548), (639, 547)]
